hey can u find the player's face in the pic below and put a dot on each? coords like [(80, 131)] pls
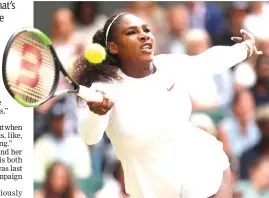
[(135, 42)]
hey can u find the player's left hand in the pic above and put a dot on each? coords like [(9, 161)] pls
[(248, 39)]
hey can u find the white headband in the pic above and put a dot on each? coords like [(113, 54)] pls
[(107, 30)]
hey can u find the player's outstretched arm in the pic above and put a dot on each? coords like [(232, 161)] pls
[(93, 127), (220, 58)]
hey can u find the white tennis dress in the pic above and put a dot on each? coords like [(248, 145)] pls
[(162, 154)]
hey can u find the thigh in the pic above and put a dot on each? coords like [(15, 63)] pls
[(225, 190)]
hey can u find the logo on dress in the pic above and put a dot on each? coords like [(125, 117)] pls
[(171, 87)]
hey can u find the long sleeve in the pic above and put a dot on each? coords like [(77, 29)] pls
[(219, 58), (93, 126), (213, 61)]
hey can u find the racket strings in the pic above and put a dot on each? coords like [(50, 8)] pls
[(19, 43), (30, 69)]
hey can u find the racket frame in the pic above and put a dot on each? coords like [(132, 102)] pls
[(58, 68)]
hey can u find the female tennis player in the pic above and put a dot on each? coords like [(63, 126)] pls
[(146, 109)]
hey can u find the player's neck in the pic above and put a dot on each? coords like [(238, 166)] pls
[(138, 70)]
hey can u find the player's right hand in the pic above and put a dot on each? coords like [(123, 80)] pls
[(101, 108)]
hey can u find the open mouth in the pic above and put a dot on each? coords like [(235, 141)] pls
[(146, 47)]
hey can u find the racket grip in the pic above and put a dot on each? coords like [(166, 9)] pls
[(89, 94)]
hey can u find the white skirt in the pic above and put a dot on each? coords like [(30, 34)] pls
[(175, 166)]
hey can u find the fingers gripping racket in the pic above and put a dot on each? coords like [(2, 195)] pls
[(31, 70)]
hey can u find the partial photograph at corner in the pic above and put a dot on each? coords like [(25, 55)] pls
[(231, 106)]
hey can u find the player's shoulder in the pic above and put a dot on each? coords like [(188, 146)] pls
[(169, 59)]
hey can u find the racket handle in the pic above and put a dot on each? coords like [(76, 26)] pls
[(89, 94)]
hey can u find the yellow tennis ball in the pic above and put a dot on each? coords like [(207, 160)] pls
[(95, 53)]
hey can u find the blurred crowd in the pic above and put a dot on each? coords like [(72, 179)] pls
[(232, 106)]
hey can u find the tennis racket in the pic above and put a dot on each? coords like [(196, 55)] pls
[(31, 70)]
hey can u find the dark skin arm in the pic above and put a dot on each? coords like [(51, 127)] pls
[(225, 190)]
